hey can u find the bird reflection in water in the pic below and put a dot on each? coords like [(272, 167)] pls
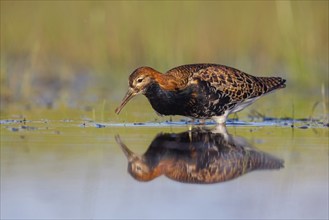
[(197, 156)]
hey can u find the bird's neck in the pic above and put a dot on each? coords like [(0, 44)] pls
[(167, 81)]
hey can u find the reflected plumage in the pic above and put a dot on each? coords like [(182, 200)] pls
[(197, 156), (200, 91)]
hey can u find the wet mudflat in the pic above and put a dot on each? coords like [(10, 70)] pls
[(77, 169)]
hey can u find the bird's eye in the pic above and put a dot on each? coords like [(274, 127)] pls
[(139, 80)]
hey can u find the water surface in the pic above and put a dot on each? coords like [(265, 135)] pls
[(74, 169)]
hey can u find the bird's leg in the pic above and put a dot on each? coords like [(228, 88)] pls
[(221, 129), (190, 127), (220, 119), (190, 135)]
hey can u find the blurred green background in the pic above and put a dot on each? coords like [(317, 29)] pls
[(65, 57)]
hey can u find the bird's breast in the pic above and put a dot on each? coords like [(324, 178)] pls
[(170, 102), (196, 100)]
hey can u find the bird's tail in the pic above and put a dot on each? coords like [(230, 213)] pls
[(272, 83), (262, 160)]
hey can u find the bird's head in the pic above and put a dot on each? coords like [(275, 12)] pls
[(138, 167), (139, 80)]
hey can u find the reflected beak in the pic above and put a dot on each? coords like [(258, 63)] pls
[(129, 95), (129, 154)]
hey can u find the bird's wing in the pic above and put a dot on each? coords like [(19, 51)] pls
[(181, 75), (235, 83), (227, 80)]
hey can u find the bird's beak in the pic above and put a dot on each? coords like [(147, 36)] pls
[(129, 154), (129, 95)]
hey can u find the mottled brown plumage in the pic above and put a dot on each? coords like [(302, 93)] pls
[(197, 156), (199, 90)]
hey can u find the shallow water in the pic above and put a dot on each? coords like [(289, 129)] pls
[(76, 169)]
